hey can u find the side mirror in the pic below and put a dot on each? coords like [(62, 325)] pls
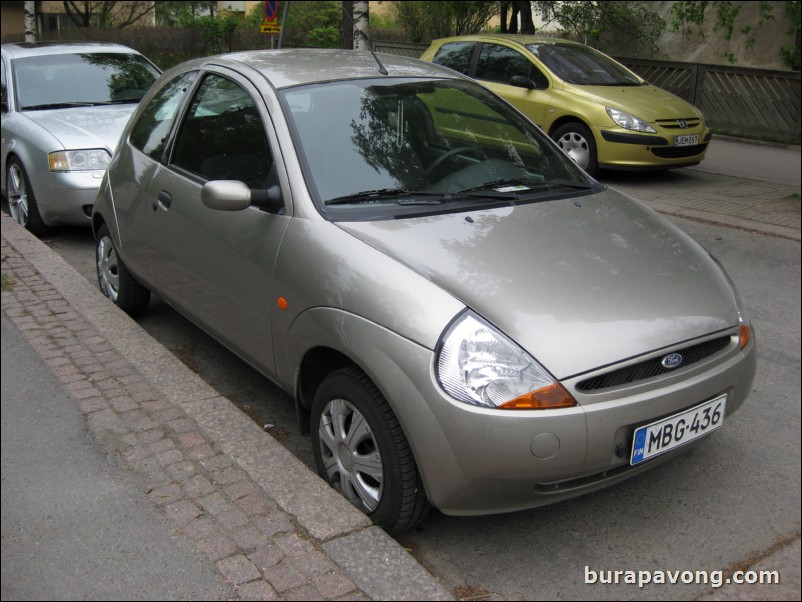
[(521, 81), (233, 195)]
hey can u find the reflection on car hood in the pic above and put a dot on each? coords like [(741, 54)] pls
[(85, 127), (579, 283), (648, 103)]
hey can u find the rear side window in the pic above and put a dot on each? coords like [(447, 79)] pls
[(151, 130), (456, 56), (498, 64)]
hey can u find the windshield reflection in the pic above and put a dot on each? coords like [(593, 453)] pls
[(376, 142), (59, 81)]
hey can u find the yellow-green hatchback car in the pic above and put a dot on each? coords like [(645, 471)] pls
[(598, 111)]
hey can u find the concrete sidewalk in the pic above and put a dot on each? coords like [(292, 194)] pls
[(264, 525)]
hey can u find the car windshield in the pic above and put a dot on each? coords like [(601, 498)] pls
[(74, 80), (370, 146), (583, 65)]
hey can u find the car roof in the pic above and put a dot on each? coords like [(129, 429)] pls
[(24, 49), (523, 39), (293, 67)]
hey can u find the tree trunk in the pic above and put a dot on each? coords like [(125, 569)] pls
[(30, 21), (527, 23), (347, 37), (361, 40)]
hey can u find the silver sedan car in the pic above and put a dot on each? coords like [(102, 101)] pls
[(464, 318), (64, 107)]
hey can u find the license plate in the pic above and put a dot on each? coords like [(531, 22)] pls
[(664, 435), (686, 140)]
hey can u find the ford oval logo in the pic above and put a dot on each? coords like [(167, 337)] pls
[(672, 360)]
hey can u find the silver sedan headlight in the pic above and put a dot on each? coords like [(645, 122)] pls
[(476, 364), (629, 122), (79, 160)]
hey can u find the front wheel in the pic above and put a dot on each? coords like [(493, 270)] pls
[(361, 451), (115, 281), (578, 143), (22, 204)]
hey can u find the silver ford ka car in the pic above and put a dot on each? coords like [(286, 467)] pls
[(64, 107), (464, 318)]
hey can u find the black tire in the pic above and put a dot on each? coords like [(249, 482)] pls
[(22, 204), (577, 142), (351, 419), (114, 279)]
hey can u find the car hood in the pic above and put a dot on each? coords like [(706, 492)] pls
[(579, 283), (85, 127), (648, 103)]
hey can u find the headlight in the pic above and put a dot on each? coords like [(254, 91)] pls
[(629, 122), (477, 364), (79, 160)]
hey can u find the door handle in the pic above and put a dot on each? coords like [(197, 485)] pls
[(164, 200)]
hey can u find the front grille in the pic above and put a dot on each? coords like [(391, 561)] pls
[(670, 152), (653, 367), (674, 124)]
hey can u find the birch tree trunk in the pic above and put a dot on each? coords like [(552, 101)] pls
[(30, 21), (361, 26)]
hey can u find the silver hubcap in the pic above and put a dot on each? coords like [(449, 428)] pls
[(17, 195), (350, 454), (108, 268), (576, 147)]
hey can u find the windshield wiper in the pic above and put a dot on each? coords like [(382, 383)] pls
[(58, 105), (519, 186), (401, 195)]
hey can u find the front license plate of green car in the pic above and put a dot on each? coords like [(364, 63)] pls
[(669, 433), (686, 140)]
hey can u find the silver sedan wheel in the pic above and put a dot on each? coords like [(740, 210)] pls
[(575, 145), (17, 195), (108, 268), (351, 455)]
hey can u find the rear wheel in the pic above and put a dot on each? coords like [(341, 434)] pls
[(115, 281), (21, 201), (361, 450), (578, 143)]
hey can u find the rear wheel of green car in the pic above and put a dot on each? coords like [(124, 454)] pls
[(361, 451)]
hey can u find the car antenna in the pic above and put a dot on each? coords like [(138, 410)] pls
[(382, 69)]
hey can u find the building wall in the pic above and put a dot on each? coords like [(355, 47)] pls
[(13, 19)]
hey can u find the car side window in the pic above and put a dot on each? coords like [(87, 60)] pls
[(3, 80), (499, 63), (222, 136), (151, 130), (456, 56)]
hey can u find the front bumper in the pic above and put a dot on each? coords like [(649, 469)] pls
[(625, 150), (67, 197), (478, 461)]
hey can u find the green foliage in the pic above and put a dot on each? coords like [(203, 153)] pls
[(425, 21), (601, 24), (791, 53), (217, 33), (314, 24)]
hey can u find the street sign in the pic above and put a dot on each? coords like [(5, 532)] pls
[(270, 23)]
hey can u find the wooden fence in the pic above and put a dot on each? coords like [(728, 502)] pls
[(757, 103)]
